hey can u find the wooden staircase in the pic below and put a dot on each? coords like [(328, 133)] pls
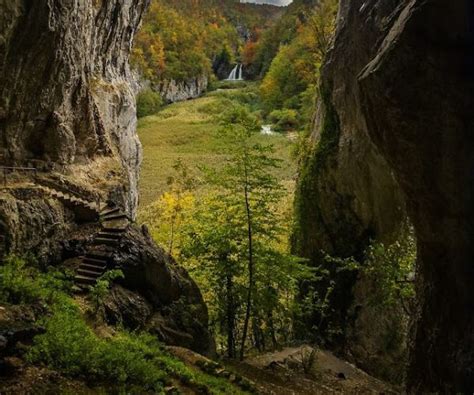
[(83, 209), (99, 257)]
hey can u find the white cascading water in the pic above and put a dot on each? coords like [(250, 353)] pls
[(267, 129), (236, 73)]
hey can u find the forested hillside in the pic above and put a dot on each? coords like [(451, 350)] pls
[(185, 40)]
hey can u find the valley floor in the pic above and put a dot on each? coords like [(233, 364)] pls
[(187, 131)]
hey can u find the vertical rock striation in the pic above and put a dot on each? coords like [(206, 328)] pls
[(65, 97), (67, 107), (417, 97), (347, 194), (398, 86)]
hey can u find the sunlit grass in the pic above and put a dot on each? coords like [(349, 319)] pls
[(187, 131)]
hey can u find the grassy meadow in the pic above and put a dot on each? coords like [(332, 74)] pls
[(187, 131)]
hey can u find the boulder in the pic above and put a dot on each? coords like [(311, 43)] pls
[(124, 307), (158, 295)]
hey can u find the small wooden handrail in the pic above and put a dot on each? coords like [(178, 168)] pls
[(18, 168), (58, 186), (6, 169)]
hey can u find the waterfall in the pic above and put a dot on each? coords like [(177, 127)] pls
[(233, 73), (236, 73)]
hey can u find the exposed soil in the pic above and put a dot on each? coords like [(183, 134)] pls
[(282, 373)]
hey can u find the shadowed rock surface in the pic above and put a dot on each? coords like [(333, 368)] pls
[(67, 108), (158, 295), (347, 194), (400, 79), (418, 101), (64, 93)]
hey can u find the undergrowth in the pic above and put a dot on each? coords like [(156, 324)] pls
[(124, 362)]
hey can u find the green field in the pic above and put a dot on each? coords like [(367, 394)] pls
[(187, 131)]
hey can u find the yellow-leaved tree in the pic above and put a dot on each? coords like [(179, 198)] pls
[(166, 216)]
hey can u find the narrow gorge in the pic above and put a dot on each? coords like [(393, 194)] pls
[(213, 197)]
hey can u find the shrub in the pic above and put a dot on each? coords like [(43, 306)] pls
[(22, 282), (285, 119), (391, 268), (148, 103), (101, 288), (70, 346), (127, 359)]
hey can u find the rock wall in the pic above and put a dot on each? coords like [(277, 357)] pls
[(175, 91), (67, 107), (347, 194), (417, 99), (64, 85), (32, 222), (399, 85)]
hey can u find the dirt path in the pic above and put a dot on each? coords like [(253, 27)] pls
[(282, 373)]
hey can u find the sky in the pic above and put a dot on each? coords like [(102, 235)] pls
[(274, 2)]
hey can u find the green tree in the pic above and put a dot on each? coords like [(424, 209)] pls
[(236, 240), (293, 74), (213, 254)]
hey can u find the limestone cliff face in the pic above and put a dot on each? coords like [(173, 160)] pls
[(398, 86), (67, 108), (65, 98), (418, 99), (175, 91), (347, 194)]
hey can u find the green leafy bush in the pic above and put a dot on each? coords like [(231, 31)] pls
[(70, 346), (101, 288), (22, 282), (392, 268), (127, 359), (130, 361), (148, 103), (285, 119)]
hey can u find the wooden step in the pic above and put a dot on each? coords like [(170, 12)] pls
[(117, 226), (102, 256), (89, 273), (95, 261), (110, 211), (113, 217), (107, 235), (114, 230), (85, 279), (109, 242), (93, 268)]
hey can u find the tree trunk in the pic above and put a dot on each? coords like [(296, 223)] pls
[(171, 241), (258, 340), (250, 269), (271, 325), (230, 318)]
